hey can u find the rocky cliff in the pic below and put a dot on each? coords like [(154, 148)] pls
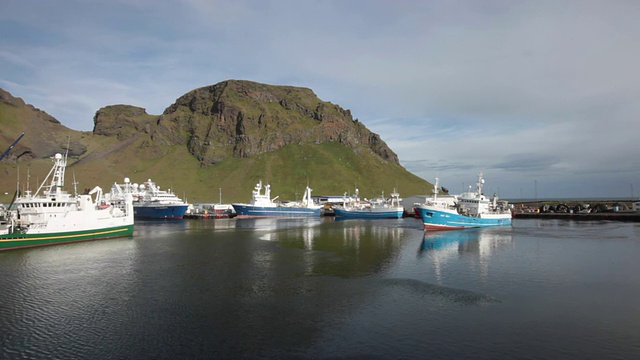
[(217, 139), (232, 119), (122, 121), (242, 119)]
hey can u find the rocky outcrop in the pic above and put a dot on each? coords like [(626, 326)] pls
[(233, 118), (243, 119), (122, 121)]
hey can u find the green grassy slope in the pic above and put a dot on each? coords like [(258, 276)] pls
[(328, 168)]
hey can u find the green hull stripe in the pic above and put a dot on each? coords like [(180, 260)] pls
[(25, 240)]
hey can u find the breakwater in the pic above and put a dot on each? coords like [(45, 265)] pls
[(578, 209), (615, 216)]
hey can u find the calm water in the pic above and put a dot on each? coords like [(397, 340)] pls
[(320, 288)]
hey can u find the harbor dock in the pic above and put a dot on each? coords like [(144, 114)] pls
[(585, 209), (614, 216)]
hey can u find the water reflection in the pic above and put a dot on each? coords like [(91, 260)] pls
[(326, 289), (270, 228), (334, 248), (482, 241), (159, 228), (275, 223), (444, 246), (346, 249)]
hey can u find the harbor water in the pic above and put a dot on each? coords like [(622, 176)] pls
[(319, 288)]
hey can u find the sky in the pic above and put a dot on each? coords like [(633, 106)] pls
[(542, 97)]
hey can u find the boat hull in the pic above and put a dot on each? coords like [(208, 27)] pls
[(19, 241), (169, 212), (367, 214), (247, 210), (435, 219)]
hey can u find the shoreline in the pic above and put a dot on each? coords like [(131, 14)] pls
[(615, 216)]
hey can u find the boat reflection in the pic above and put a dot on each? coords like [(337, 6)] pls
[(275, 223), (307, 234), (442, 247), (470, 240), (331, 248)]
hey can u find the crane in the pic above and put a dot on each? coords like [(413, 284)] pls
[(6, 152)]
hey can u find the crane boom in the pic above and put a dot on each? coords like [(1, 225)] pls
[(11, 147)]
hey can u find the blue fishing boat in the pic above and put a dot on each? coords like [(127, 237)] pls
[(261, 205), (154, 203), (150, 202), (470, 210), (378, 208)]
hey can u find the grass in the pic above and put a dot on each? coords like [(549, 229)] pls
[(328, 168)]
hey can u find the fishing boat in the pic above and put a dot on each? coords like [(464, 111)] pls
[(210, 211), (53, 216), (471, 209), (261, 205), (378, 208), (443, 202), (150, 202)]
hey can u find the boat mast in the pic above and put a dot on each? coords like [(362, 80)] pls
[(479, 184), (58, 175), (57, 181), (435, 189), (75, 184)]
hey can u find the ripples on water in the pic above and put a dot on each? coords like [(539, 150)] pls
[(320, 288)]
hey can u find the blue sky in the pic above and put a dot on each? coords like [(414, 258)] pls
[(541, 96)]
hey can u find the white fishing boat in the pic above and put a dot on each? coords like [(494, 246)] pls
[(377, 208), (53, 216)]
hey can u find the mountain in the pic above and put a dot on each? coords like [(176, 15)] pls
[(219, 139), (46, 134)]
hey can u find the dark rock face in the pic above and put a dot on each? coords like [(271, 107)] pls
[(243, 119), (121, 121), (230, 119)]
